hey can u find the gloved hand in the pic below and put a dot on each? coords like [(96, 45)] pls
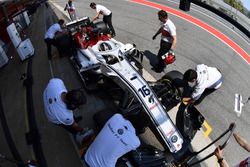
[(154, 37)]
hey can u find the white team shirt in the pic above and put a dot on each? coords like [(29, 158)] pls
[(104, 11), (115, 139), (206, 77), (168, 31), (52, 31), (55, 109)]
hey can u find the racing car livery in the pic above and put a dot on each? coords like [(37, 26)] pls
[(105, 56), (103, 61)]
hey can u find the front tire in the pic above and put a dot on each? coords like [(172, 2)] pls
[(173, 75)]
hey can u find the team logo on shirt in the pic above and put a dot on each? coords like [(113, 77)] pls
[(120, 131)]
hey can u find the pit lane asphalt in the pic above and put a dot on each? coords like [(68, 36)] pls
[(134, 24), (137, 24)]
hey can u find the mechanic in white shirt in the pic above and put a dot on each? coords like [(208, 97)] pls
[(116, 138), (168, 38), (59, 103), (107, 15), (203, 77), (70, 7), (49, 37)]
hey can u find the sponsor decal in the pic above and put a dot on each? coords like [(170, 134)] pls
[(174, 138)]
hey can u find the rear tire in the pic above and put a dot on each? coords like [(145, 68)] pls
[(102, 27), (188, 121), (177, 81), (173, 75), (169, 89)]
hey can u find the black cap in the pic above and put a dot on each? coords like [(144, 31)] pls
[(190, 75), (92, 4)]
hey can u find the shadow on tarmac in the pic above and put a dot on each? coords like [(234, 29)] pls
[(204, 94), (151, 57)]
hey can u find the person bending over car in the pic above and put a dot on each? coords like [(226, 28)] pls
[(60, 103), (49, 37), (168, 38), (107, 15), (200, 79), (116, 138)]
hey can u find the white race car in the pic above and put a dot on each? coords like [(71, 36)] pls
[(106, 57), (102, 60)]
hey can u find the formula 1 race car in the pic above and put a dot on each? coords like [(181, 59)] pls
[(111, 61), (106, 64)]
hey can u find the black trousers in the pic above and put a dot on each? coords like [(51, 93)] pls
[(108, 20), (49, 42), (164, 48)]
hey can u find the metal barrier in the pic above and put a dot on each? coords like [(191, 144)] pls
[(223, 15)]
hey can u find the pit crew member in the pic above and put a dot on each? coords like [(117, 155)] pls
[(60, 103), (243, 143), (71, 10), (168, 38), (107, 16), (49, 37), (116, 138), (203, 77)]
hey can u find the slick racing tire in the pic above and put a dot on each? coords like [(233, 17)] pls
[(170, 89), (173, 75), (102, 27), (177, 80), (188, 120), (148, 156)]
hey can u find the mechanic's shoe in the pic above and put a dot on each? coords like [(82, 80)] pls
[(78, 119)]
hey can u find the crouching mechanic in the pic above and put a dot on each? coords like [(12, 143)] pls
[(200, 79), (59, 103), (116, 138)]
